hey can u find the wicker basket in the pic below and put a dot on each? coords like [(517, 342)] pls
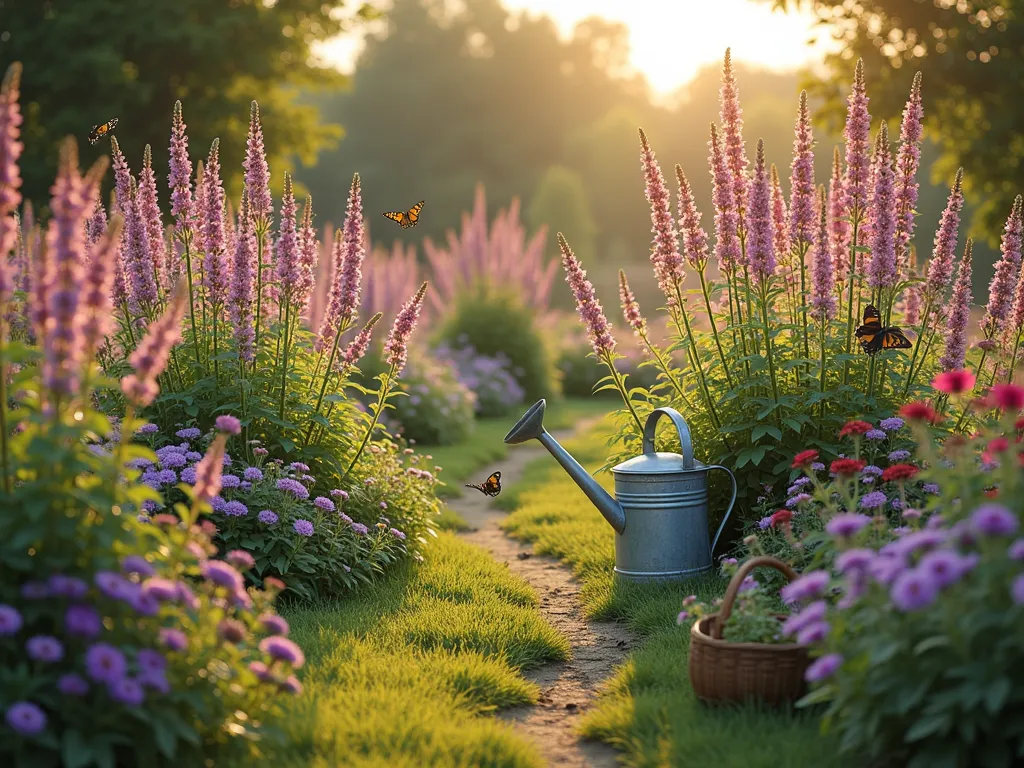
[(724, 671)]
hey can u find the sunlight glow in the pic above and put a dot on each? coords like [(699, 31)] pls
[(670, 40)]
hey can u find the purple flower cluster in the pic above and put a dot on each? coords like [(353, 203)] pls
[(396, 348), (668, 263), (587, 304)]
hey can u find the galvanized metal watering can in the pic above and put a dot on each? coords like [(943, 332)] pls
[(660, 509)]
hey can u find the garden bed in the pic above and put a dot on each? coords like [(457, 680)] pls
[(649, 709)]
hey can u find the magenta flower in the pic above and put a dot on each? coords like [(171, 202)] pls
[(348, 253), (760, 246), (309, 248), (242, 293), (287, 246), (96, 225), (215, 274), (858, 140), (150, 358), (780, 228), (257, 173), (801, 178), (139, 262), (882, 270), (396, 348), (1007, 274), (731, 116), (149, 208), (959, 315), (357, 347), (10, 173), (668, 264), (695, 241), (589, 308), (209, 470), (122, 178), (228, 425), (823, 283), (630, 308), (727, 243), (179, 177), (823, 668), (97, 307), (940, 268), (907, 161), (282, 649), (838, 226)]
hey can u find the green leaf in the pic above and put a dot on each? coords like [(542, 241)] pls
[(996, 695), (930, 643), (164, 736), (928, 725), (765, 429), (75, 752)]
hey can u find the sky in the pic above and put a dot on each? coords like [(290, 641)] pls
[(670, 40)]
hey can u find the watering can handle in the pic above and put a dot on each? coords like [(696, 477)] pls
[(681, 428), (728, 511)]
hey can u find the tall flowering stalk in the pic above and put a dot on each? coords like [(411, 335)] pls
[(96, 225), (242, 291), (149, 207), (257, 185), (215, 272), (732, 128), (882, 268), (801, 201), (727, 242), (150, 358), (940, 268), (143, 293), (309, 248), (288, 276), (823, 298), (179, 179), (10, 197), (1014, 329), (97, 304), (855, 185), (593, 317), (396, 353), (780, 240), (908, 159), (761, 250), (695, 248), (955, 332), (1004, 282), (357, 347), (838, 226)]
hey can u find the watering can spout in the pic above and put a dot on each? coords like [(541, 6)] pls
[(531, 427)]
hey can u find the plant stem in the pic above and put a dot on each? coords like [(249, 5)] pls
[(261, 231), (284, 357), (343, 325), (849, 298), (664, 365), (803, 295), (382, 396), (821, 373), (619, 384), (768, 339), (695, 362), (714, 328), (4, 451), (1013, 359), (922, 331), (214, 311), (186, 240)]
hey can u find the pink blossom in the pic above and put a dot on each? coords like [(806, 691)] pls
[(940, 268), (858, 139), (630, 307), (1007, 274), (10, 173), (355, 252), (882, 214), (695, 241), (242, 293), (727, 243), (823, 284), (97, 307), (838, 227), (668, 264), (780, 230), (138, 259), (209, 471), (96, 225), (287, 247), (309, 247), (149, 207), (760, 248), (396, 348), (907, 161), (179, 177), (357, 347), (215, 273), (955, 326), (801, 179), (731, 115), (150, 358), (257, 173), (587, 304)]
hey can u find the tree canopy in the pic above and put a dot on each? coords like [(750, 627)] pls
[(971, 56), (85, 62)]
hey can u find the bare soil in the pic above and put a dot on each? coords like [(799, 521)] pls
[(567, 688)]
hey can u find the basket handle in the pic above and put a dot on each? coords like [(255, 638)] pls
[(762, 561)]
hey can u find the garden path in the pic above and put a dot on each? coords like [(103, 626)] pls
[(569, 687)]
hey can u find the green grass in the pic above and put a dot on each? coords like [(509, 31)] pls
[(461, 461), (403, 673), (648, 709)]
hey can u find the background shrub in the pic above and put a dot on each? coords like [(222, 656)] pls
[(496, 389), (437, 408)]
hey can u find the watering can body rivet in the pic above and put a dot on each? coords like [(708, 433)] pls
[(660, 509)]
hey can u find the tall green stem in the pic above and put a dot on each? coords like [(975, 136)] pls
[(4, 450), (921, 332), (186, 240), (849, 297), (821, 373), (261, 232), (216, 363), (284, 356), (695, 361), (803, 295), (714, 328), (1013, 358), (619, 384), (343, 326), (768, 339), (382, 396), (664, 365)]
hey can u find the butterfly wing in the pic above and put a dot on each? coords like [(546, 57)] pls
[(872, 323), (894, 338), (398, 216), (98, 131), (413, 214), (490, 487)]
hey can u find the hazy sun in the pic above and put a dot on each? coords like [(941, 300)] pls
[(670, 40)]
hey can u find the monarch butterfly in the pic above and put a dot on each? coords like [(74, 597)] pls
[(491, 486), (873, 337), (406, 218), (98, 131)]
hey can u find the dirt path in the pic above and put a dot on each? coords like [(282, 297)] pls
[(567, 688)]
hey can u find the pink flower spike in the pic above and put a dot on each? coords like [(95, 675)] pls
[(955, 331), (838, 227), (257, 174), (1007, 274), (940, 267), (823, 285), (97, 309), (668, 264), (780, 230), (150, 358), (309, 247), (242, 294), (882, 270), (215, 273), (287, 247), (801, 180), (10, 173), (179, 176), (908, 160), (149, 208), (598, 329), (357, 347), (396, 348), (630, 307), (727, 243), (731, 115), (695, 241), (760, 246), (858, 141)]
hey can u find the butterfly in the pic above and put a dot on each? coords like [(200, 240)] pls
[(491, 486), (98, 131), (407, 218), (873, 337)]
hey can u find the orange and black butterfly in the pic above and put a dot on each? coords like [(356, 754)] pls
[(491, 486), (873, 337), (99, 131), (407, 218)]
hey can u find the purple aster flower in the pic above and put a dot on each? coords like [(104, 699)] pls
[(872, 471), (812, 614), (359, 529), (339, 494), (397, 534), (274, 624), (144, 604), (298, 466), (1017, 590), (799, 483), (240, 559), (253, 474), (813, 633), (875, 434), (958, 316), (854, 560), (67, 586), (1015, 552), (126, 690), (896, 504), (160, 589), (807, 587), (665, 256), (230, 481), (174, 639), (283, 649), (847, 524), (229, 425), (73, 685), (232, 630), (823, 668), (174, 461), (940, 267), (189, 433), (294, 487), (44, 648), (943, 566), (932, 488), (322, 502), (25, 718), (800, 498), (222, 574), (345, 518), (10, 620), (913, 590), (104, 663), (188, 475), (885, 568), (267, 517), (872, 500), (899, 456), (817, 467), (993, 520), (760, 243), (303, 527), (235, 509), (137, 564), (82, 621), (147, 429), (383, 505), (150, 660), (892, 424), (765, 523), (155, 680)]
